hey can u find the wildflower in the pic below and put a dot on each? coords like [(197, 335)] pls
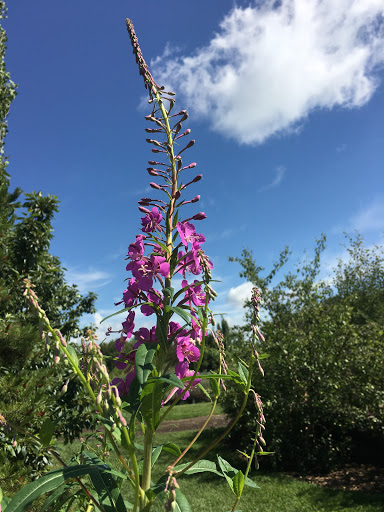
[(151, 222)]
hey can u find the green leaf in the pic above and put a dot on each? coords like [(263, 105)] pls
[(227, 471), (151, 403), (56, 494), (46, 432), (201, 466), (169, 291), (238, 483), (169, 378), (162, 333), (243, 372), (72, 353), (236, 378), (215, 387), (172, 448), (135, 390), (155, 453), (182, 504), (204, 391), (105, 485), (180, 311), (143, 361), (46, 483), (176, 218)]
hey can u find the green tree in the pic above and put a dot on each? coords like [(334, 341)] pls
[(324, 382)]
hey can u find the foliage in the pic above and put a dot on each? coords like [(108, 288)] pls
[(324, 372)]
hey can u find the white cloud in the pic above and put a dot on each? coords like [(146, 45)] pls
[(239, 294), (279, 175), (267, 68), (370, 218), (89, 280)]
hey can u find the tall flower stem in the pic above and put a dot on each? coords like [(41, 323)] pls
[(147, 464)]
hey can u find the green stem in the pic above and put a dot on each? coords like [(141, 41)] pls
[(250, 459), (147, 464)]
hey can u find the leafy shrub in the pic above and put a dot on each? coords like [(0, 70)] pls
[(324, 381)]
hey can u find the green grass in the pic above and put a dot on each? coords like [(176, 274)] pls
[(185, 411), (210, 493)]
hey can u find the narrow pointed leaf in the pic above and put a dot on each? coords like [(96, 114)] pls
[(238, 483), (143, 361), (182, 504), (23, 499), (201, 466)]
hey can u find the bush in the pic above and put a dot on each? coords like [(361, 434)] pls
[(324, 382)]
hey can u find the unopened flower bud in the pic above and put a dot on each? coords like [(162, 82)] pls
[(195, 199), (199, 216), (155, 185), (64, 389), (123, 421), (197, 178), (99, 397)]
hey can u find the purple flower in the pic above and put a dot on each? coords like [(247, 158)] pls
[(186, 349), (120, 342), (148, 310), (188, 234), (123, 385), (194, 293), (128, 324), (190, 261), (132, 294), (151, 221), (149, 269), (182, 370), (136, 250), (146, 335)]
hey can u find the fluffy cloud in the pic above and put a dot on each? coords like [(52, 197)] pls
[(239, 294), (269, 66)]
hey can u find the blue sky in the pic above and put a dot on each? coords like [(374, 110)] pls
[(286, 103)]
